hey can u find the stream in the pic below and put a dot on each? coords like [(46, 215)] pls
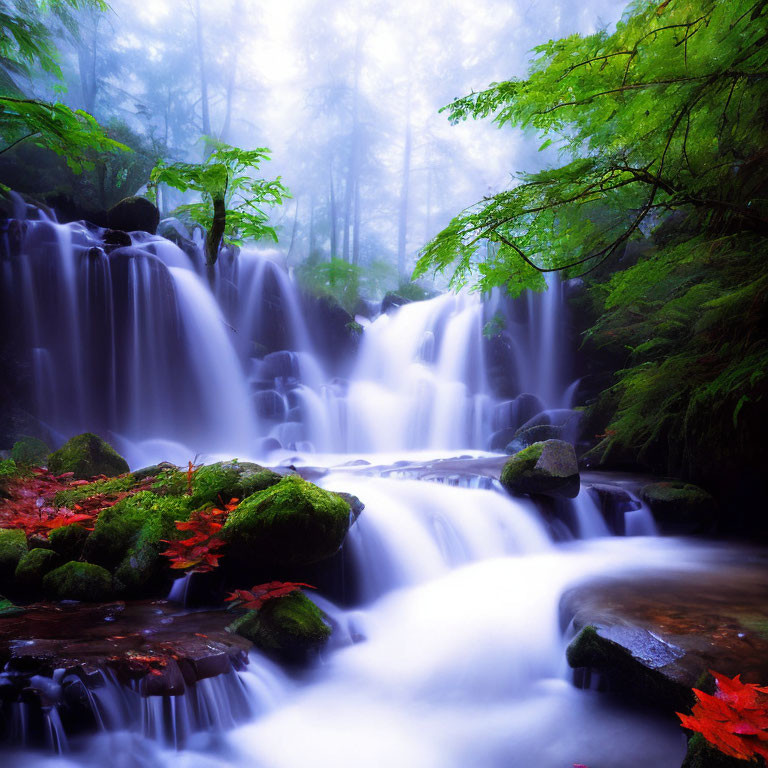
[(450, 653)]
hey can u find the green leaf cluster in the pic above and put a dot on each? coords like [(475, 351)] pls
[(664, 113), (228, 174)]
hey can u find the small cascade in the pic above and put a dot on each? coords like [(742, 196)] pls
[(144, 345)]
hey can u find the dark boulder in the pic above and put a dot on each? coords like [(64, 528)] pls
[(134, 214), (87, 455), (679, 507)]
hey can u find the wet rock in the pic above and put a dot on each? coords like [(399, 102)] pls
[(78, 581), (114, 238), (87, 455), (548, 468), (28, 451), (292, 523), (680, 508), (614, 503), (355, 505), (514, 413), (655, 638), (526, 436), (289, 627), (277, 365), (134, 214), (269, 404)]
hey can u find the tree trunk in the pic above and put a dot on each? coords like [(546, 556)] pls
[(354, 150), (356, 237), (216, 232), (294, 229)]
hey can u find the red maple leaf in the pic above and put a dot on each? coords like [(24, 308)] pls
[(198, 552), (734, 720), (252, 599)]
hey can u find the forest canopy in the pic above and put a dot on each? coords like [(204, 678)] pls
[(667, 112)]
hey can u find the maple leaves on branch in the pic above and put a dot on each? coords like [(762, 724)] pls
[(200, 551), (734, 720), (252, 599)]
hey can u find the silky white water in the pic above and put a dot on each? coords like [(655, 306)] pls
[(452, 655)]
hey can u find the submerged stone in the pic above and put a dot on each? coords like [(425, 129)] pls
[(548, 468), (292, 523), (87, 455), (78, 581)]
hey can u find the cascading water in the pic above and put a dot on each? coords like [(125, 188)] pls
[(140, 344), (452, 654)]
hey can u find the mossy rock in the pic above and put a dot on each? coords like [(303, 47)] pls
[(292, 523), (29, 451), (33, 566), (10, 470), (548, 468), (625, 673), (71, 496), (128, 539), (78, 581), (68, 541), (289, 627), (680, 507), (701, 754), (7, 608), (13, 546), (87, 455), (217, 483), (134, 214)]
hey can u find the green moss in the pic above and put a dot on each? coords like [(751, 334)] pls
[(9, 470), (7, 608), (680, 507), (287, 624), (217, 483), (127, 539), (78, 581), (33, 566), (354, 327), (87, 455), (13, 546), (69, 540), (701, 754), (547, 467), (292, 523), (29, 451), (72, 496)]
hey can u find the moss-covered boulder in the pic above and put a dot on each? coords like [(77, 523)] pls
[(128, 539), (292, 523), (78, 581), (68, 541), (680, 507), (13, 546), (87, 455), (289, 627), (33, 566), (548, 468), (30, 451), (217, 483)]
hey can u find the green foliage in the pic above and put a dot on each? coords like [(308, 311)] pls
[(689, 318), (79, 493), (664, 113), (29, 451), (344, 282), (227, 177)]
